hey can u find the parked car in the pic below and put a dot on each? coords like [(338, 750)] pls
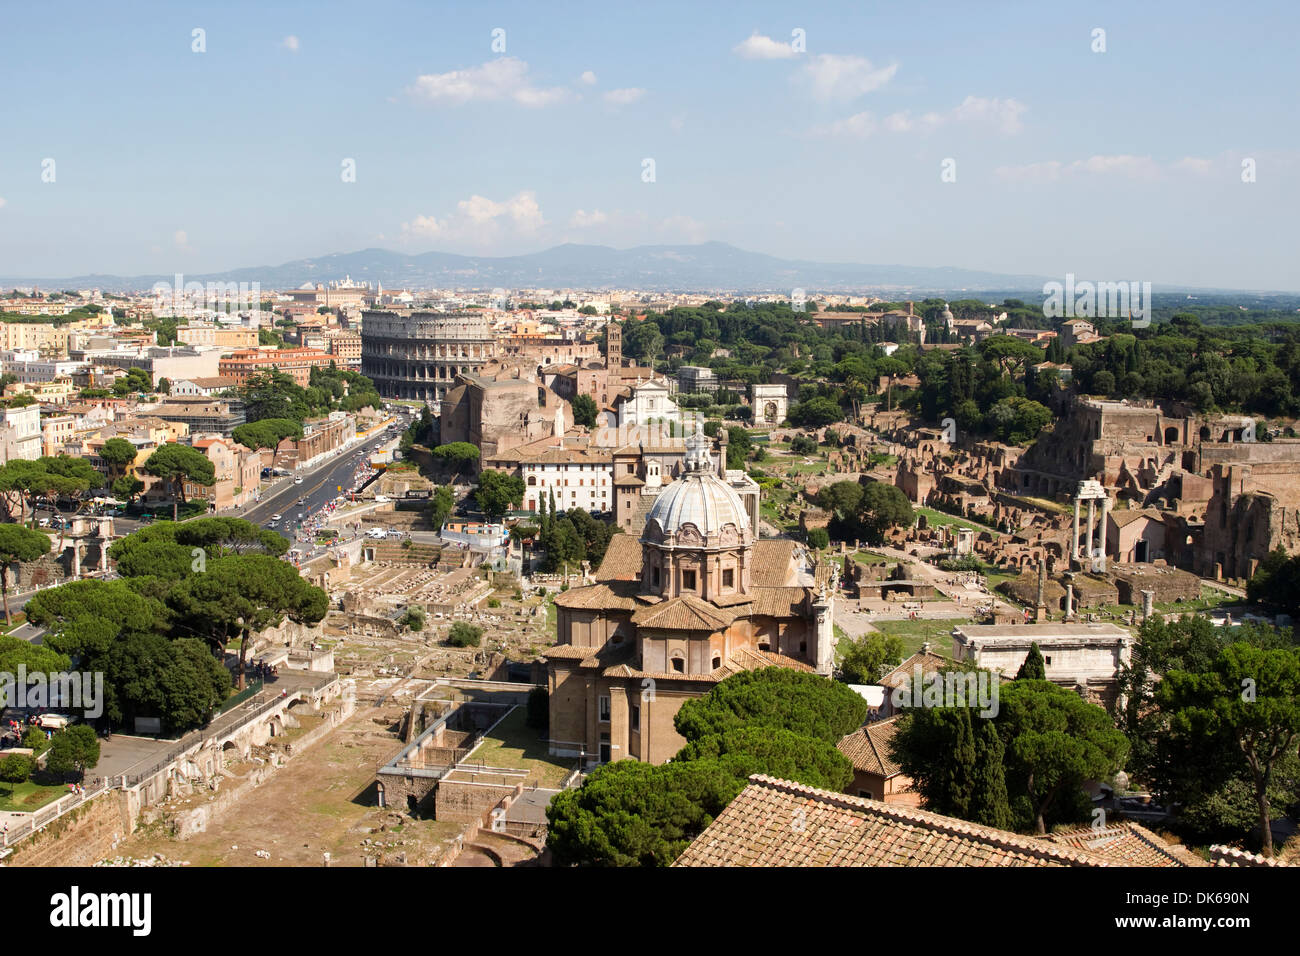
[(395, 533), (375, 533)]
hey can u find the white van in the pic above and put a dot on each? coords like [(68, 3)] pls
[(375, 533)]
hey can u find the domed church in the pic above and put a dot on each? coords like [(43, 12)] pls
[(692, 601)]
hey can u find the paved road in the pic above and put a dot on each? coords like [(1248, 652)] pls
[(318, 487)]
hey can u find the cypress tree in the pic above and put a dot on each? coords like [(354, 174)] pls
[(960, 771), (989, 804), (1033, 668)]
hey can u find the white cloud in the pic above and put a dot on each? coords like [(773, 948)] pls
[(857, 126), (1194, 164), (763, 48), (180, 239), (624, 97), (1130, 167), (683, 228), (581, 219), (588, 78), (1002, 115), (832, 76), (290, 43), (502, 79), (2, 202), (479, 220)]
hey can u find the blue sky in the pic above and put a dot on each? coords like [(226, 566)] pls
[(1123, 164)]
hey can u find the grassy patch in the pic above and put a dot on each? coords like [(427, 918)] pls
[(29, 796), (915, 633), (515, 745), (937, 519), (870, 557)]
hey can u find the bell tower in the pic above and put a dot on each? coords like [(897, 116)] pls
[(613, 345)]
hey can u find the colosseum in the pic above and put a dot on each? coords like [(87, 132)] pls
[(417, 355)]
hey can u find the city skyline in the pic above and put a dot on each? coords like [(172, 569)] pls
[(820, 136)]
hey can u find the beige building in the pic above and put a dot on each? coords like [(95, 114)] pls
[(221, 336), (690, 602)]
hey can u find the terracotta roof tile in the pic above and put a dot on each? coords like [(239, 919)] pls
[(868, 748), (1127, 844), (773, 562), (779, 823), (685, 613), (622, 561)]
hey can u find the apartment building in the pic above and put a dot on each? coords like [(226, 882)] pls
[(296, 363), (20, 433)]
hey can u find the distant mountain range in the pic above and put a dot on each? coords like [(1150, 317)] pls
[(709, 266), (706, 267)]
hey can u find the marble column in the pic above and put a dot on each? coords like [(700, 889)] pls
[(1092, 521), (1074, 544)]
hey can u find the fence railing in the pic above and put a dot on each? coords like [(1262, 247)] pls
[(51, 812)]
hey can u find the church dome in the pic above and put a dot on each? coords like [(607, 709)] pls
[(699, 505)]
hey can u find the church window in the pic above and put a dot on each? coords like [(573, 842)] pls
[(679, 665), (688, 580), (604, 709), (728, 578), (717, 662), (636, 717)]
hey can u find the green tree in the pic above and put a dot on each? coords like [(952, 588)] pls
[(74, 749), (867, 659), (243, 595), (1033, 667), (1252, 696), (630, 813), (464, 634), (818, 538), (816, 412), (16, 768), (177, 464), (498, 492), (884, 507), (1055, 741), (776, 752), (267, 432), (584, 410), (127, 487), (18, 544), (118, 454), (841, 498), (440, 505), (461, 455), (774, 697)]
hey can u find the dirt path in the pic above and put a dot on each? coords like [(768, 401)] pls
[(322, 800)]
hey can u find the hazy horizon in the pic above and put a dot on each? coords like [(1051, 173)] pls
[(1003, 140)]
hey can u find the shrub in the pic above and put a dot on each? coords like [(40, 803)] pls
[(494, 602), (818, 538), (16, 768), (464, 634)]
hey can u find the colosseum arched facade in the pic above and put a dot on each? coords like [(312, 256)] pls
[(417, 355)]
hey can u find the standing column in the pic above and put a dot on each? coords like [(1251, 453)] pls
[(1105, 513), (1092, 521), (1074, 543)]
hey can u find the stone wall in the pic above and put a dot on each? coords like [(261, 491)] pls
[(79, 838)]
